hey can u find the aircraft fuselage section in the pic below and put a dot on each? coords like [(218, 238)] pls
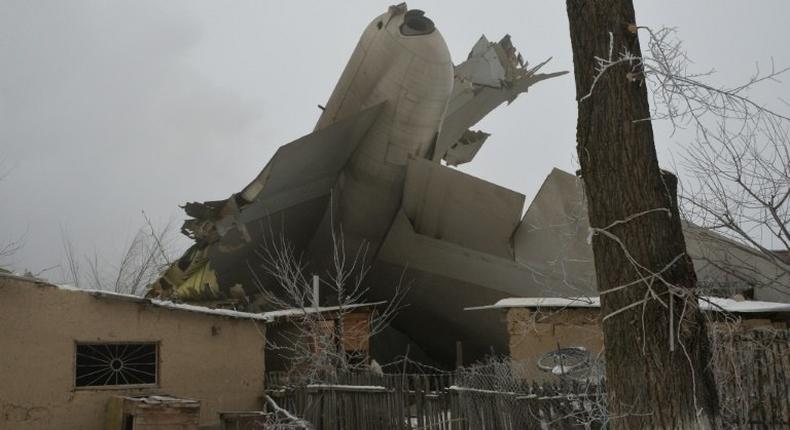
[(413, 74)]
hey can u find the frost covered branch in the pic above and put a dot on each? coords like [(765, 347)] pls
[(316, 342)]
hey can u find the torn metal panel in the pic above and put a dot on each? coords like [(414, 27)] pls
[(466, 148), (493, 74), (201, 227), (483, 67), (191, 278)]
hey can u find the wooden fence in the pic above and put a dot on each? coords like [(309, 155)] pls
[(416, 401), (752, 371)]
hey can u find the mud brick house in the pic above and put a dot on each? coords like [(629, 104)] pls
[(64, 353), (541, 327)]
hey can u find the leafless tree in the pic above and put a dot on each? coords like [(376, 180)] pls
[(738, 159), (140, 263), (737, 166), (11, 246), (317, 343), (657, 353)]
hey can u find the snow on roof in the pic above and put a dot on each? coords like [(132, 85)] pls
[(743, 306), (142, 300), (263, 316), (202, 309), (296, 312), (542, 302), (706, 303)]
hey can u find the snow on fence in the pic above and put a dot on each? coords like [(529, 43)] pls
[(419, 401), (752, 371)]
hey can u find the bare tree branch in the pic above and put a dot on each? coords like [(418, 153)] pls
[(317, 342), (143, 258)]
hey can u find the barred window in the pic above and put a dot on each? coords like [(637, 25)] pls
[(116, 364)]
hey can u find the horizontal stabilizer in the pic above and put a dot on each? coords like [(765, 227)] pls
[(405, 247)]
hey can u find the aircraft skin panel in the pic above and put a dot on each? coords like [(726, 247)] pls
[(555, 230), (447, 204), (405, 247), (720, 260), (435, 318), (413, 73), (314, 157), (380, 63), (445, 278), (233, 257)]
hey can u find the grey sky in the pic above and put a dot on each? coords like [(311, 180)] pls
[(110, 108)]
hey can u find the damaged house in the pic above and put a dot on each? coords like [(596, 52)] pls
[(298, 337)]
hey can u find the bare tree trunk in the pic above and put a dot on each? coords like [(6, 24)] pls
[(656, 344)]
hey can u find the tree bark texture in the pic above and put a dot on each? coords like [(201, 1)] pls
[(656, 350)]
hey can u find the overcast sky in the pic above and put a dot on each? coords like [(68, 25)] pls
[(109, 108)]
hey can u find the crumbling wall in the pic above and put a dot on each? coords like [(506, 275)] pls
[(217, 360)]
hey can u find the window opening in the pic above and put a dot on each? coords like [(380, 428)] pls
[(111, 364)]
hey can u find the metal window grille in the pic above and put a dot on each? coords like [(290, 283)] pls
[(116, 364)]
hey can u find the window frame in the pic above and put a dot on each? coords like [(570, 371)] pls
[(157, 363)]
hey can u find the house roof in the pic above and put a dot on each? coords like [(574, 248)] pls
[(264, 316), (142, 300), (706, 303), (542, 302), (297, 312)]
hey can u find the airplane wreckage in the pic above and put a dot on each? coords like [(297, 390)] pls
[(373, 167)]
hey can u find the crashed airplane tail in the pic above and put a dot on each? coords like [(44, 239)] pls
[(399, 108)]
